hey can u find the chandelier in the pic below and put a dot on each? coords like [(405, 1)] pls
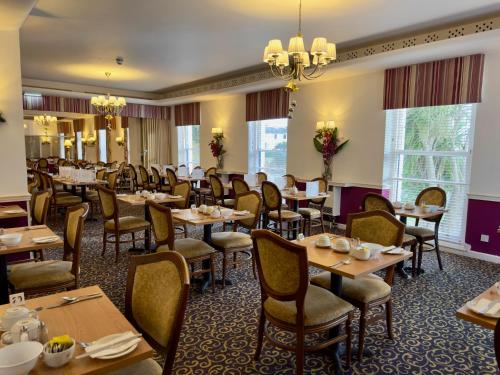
[(109, 106), (295, 63), (45, 121)]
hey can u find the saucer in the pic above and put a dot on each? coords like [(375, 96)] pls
[(329, 246)]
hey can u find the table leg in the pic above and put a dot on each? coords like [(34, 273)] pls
[(147, 237), (336, 288), (400, 267), (207, 277), (84, 193), (4, 285)]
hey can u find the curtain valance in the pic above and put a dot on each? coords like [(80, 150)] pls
[(187, 114), (267, 105), (124, 122), (451, 81)]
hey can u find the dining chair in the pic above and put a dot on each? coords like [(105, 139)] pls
[(218, 192), (100, 174), (240, 186), (274, 212), (157, 180), (290, 181), (497, 342), (171, 177), (146, 185), (53, 275), (155, 304), (374, 201), (205, 191), (133, 178), (431, 196), (182, 188), (193, 250), (115, 226), (112, 179), (211, 171), (290, 303), (39, 204), (238, 242), (60, 199), (43, 165), (313, 216), (261, 177), (370, 291)]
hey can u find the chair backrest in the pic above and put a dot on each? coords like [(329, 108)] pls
[(217, 187), (240, 186), (144, 174), (133, 173), (433, 195), (45, 181), (156, 176), (211, 171), (261, 177), (40, 202), (323, 188), (290, 180), (100, 174), (374, 201), (73, 230), (156, 299), (282, 267), (171, 177), (61, 162), (109, 204), (163, 224), (120, 168), (43, 164), (271, 196), (112, 179), (375, 226), (37, 178), (252, 202), (182, 188)]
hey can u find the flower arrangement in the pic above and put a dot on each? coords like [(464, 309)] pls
[(217, 148), (327, 142)]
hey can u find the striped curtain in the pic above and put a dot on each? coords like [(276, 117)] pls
[(124, 122), (156, 141), (64, 127), (451, 81), (101, 123), (78, 125), (267, 105), (187, 114)]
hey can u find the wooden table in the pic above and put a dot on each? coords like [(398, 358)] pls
[(299, 197), (25, 245), (5, 214), (82, 184), (85, 321), (465, 313), (417, 213)]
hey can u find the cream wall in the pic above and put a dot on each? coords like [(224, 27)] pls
[(135, 147), (11, 132)]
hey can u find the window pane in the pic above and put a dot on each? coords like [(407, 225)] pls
[(267, 147), (79, 145), (62, 153), (188, 146), (103, 155)]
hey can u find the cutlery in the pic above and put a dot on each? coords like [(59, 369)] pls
[(35, 227), (72, 300), (388, 248), (111, 345), (341, 262)]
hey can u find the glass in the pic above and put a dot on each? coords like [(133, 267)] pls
[(354, 242)]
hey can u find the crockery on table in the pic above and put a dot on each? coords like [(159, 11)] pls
[(11, 239), (341, 245), (109, 346), (58, 351), (485, 306), (70, 300), (19, 358)]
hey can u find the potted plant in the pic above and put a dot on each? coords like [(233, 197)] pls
[(217, 147), (327, 142)]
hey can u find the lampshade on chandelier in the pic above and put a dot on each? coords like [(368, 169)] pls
[(109, 106), (44, 120), (297, 63)]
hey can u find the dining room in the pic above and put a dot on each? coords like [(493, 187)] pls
[(322, 202)]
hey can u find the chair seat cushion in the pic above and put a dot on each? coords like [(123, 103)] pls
[(419, 232), (190, 248), (127, 223), (68, 200), (408, 238), (40, 274), (364, 289), (227, 202), (320, 306), (310, 212), (231, 240), (63, 193), (148, 366), (285, 215)]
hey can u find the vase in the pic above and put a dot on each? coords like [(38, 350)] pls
[(220, 162), (327, 171)]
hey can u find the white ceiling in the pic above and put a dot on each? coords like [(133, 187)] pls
[(171, 42)]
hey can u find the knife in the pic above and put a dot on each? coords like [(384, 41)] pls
[(80, 299), (110, 345)]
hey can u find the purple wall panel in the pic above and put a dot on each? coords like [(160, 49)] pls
[(15, 222), (483, 217), (351, 199)]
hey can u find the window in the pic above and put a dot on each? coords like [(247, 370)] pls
[(79, 149), (62, 153), (431, 146), (267, 148), (103, 154), (188, 146)]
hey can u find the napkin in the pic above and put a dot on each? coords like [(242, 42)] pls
[(175, 196), (109, 343), (395, 251), (494, 310), (241, 213), (482, 304)]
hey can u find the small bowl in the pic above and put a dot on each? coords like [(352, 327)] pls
[(58, 359), (19, 358), (161, 196), (11, 239)]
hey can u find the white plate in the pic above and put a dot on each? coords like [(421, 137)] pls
[(174, 210), (44, 240), (344, 251), (13, 211), (241, 213), (396, 251), (106, 339), (329, 246), (472, 305), (373, 246)]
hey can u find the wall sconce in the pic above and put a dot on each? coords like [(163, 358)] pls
[(217, 131), (68, 143), (45, 141), (120, 141), (89, 140), (324, 125)]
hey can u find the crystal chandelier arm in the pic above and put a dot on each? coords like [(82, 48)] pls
[(318, 71), (279, 74)]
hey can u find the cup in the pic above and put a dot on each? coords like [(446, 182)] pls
[(58, 359), (203, 209), (27, 329), (300, 237), (193, 209), (227, 213), (13, 314), (215, 214), (324, 240), (209, 210), (342, 244)]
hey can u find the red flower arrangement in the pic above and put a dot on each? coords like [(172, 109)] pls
[(327, 142), (217, 149)]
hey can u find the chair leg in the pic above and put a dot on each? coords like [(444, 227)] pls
[(420, 253), (235, 259), (362, 329), (413, 259), (104, 243), (310, 226), (224, 265), (260, 334), (299, 352), (254, 268), (322, 221), (388, 316), (212, 271), (438, 253), (133, 239), (348, 341), (117, 247), (41, 255)]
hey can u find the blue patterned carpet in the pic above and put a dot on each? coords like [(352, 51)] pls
[(219, 333)]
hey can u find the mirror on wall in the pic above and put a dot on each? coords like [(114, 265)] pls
[(38, 146)]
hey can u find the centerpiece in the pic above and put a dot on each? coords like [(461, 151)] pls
[(217, 147), (327, 142)]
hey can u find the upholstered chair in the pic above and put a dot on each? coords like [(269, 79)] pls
[(431, 196), (47, 183), (313, 216), (171, 178), (100, 174), (193, 250), (240, 186), (158, 181), (290, 303), (205, 192), (372, 202), (53, 275), (290, 180), (40, 203), (238, 242), (370, 291), (133, 177), (218, 192), (211, 171), (115, 226), (43, 165), (274, 213), (112, 179), (182, 188), (261, 177), (60, 199), (155, 303), (146, 185)]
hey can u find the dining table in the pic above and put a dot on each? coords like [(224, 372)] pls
[(328, 260), (85, 321), (78, 183), (12, 211), (300, 196), (465, 313), (26, 244)]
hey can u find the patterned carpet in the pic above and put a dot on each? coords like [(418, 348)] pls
[(219, 333)]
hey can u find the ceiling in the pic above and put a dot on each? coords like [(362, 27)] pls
[(169, 43)]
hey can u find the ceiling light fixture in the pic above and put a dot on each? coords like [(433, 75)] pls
[(296, 63), (109, 106), (44, 120)]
